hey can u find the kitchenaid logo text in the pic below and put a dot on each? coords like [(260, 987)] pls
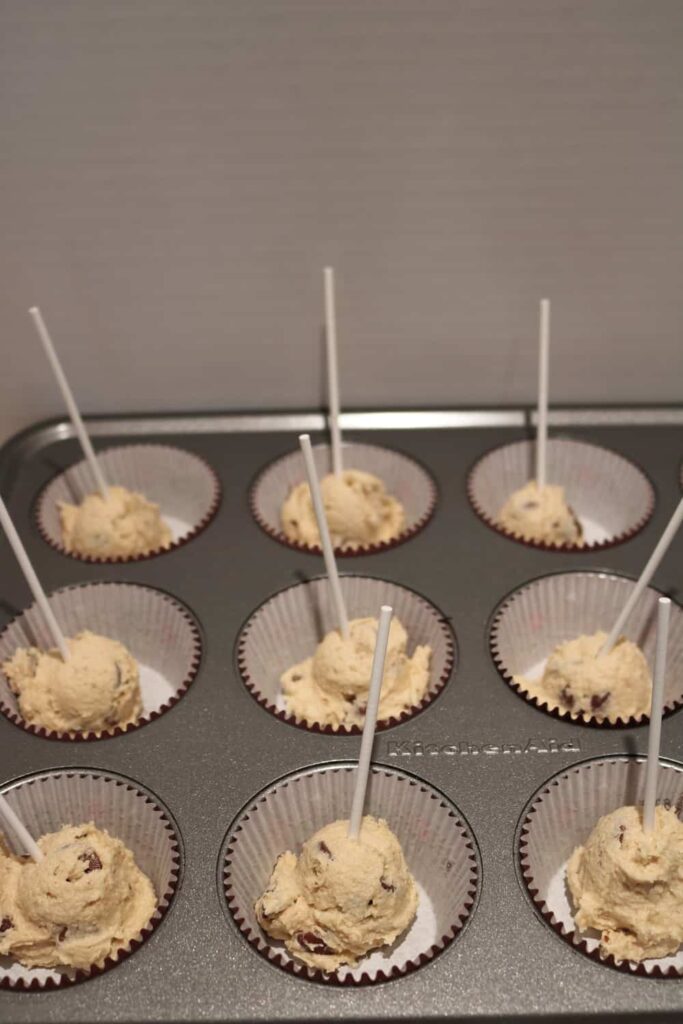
[(416, 748)]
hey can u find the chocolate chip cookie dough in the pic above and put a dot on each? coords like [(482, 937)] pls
[(358, 508), (578, 679), (96, 689), (628, 884), (331, 687), (540, 514), (121, 525), (341, 897), (84, 900)]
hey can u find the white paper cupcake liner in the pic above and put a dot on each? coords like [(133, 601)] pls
[(437, 842), (560, 817), (160, 633), (534, 619), (73, 796), (609, 495), (288, 627), (182, 484), (403, 477)]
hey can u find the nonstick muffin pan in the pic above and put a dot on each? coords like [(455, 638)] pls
[(484, 750)]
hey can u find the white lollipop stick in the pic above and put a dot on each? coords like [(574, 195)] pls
[(655, 732), (20, 831), (79, 426), (323, 529), (376, 679), (332, 369), (645, 577), (542, 417), (33, 581)]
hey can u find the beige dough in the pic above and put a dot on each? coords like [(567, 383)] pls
[(357, 507), (121, 525), (331, 688), (628, 884), (97, 689), (341, 897), (83, 901), (575, 679), (540, 515)]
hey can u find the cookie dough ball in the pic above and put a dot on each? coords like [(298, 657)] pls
[(83, 901), (97, 689), (357, 507), (341, 897), (332, 687), (122, 525), (628, 883), (580, 680), (540, 514)]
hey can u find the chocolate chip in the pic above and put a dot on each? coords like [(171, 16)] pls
[(62, 934), (597, 702), (312, 943), (324, 848), (387, 886), (83, 835), (567, 698), (92, 860), (620, 835), (296, 677), (361, 709), (6, 924), (529, 505), (293, 522), (555, 524)]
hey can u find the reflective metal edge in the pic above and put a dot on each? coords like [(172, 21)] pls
[(437, 419)]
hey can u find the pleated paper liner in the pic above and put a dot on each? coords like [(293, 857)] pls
[(611, 497), (437, 843), (127, 810), (288, 627), (560, 817), (534, 619), (182, 484), (159, 632), (403, 477)]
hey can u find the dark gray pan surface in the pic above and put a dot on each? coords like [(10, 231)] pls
[(217, 748)]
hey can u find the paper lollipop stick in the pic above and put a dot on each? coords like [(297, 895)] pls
[(67, 395), (542, 416), (376, 678), (20, 831), (655, 733), (332, 369), (323, 529), (33, 581), (645, 577)]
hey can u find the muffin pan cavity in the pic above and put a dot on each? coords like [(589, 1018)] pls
[(610, 496), (287, 628), (182, 484), (559, 818), (538, 616), (437, 843), (404, 479)]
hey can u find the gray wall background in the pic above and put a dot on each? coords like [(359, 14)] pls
[(175, 173)]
